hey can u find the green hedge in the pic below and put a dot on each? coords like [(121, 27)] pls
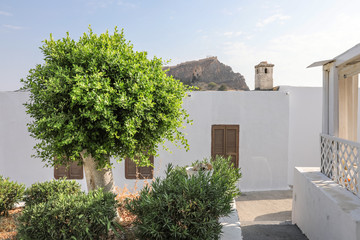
[(10, 193), (183, 207), (42, 192), (76, 216)]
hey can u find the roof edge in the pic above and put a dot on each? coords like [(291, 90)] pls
[(320, 63)]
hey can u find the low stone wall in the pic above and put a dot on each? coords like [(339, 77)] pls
[(323, 209)]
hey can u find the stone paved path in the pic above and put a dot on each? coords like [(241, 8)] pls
[(267, 216)]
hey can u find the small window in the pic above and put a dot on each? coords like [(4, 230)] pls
[(134, 172), (265, 70), (73, 171), (257, 71)]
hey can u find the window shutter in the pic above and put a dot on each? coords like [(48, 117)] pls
[(218, 140), (232, 144), (130, 169), (60, 171), (74, 171), (147, 172), (225, 142), (134, 172)]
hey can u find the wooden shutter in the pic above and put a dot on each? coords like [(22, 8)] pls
[(134, 172), (225, 142), (232, 144), (74, 171), (218, 140), (60, 171)]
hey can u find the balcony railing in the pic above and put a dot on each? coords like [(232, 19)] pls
[(340, 161)]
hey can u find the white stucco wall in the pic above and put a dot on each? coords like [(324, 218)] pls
[(322, 209), (305, 119), (264, 140), (16, 145)]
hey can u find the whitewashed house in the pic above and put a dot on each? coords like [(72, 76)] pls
[(326, 201), (266, 126)]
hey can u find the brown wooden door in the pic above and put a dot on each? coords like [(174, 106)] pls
[(134, 172), (225, 142)]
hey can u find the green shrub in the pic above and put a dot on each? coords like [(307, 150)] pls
[(185, 207), (10, 193), (76, 216), (222, 87), (212, 85), (225, 174), (42, 192)]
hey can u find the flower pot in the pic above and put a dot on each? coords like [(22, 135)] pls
[(193, 171)]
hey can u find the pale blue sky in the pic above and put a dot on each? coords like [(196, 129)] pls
[(241, 33)]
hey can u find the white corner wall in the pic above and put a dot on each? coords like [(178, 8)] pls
[(305, 119), (322, 209)]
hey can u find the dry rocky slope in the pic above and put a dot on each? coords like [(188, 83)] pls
[(208, 74)]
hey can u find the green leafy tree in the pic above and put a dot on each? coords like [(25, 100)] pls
[(97, 98)]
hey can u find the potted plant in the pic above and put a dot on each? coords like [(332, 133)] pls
[(199, 166)]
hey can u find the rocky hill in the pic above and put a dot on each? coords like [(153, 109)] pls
[(208, 74)]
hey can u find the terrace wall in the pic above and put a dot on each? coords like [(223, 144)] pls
[(322, 208)]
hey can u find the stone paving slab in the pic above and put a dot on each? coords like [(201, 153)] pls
[(266, 215), (272, 232)]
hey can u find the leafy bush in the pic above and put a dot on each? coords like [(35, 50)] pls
[(212, 85), (185, 207), (10, 193), (42, 192), (225, 174), (76, 216), (222, 87)]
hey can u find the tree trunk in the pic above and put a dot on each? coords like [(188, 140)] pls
[(95, 178)]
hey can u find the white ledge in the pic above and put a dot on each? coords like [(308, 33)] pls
[(322, 208), (231, 225)]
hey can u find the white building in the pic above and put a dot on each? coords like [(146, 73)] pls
[(267, 127), (326, 201)]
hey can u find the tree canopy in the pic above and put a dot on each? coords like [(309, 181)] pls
[(98, 94)]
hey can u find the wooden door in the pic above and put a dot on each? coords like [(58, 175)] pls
[(225, 142)]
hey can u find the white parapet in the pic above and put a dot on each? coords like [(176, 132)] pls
[(231, 225), (323, 209)]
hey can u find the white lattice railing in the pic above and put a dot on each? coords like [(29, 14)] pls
[(340, 162)]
